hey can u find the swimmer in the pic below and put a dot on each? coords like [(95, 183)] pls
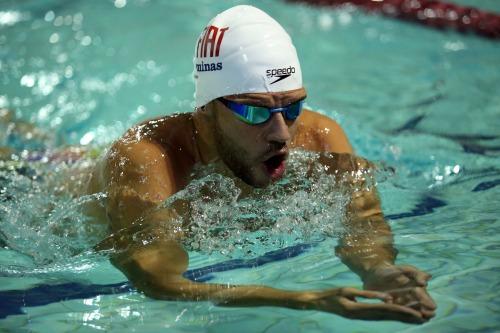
[(249, 115)]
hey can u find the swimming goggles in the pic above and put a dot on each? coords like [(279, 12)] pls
[(255, 115)]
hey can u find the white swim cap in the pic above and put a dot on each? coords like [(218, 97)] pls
[(244, 50)]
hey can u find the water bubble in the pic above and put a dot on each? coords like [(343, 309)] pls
[(68, 20), (45, 111), (455, 46), (58, 21), (55, 122), (9, 18), (151, 64), (325, 21), (141, 109), (4, 101), (156, 98), (62, 57), (87, 138), (28, 80), (345, 18), (54, 38), (49, 16), (47, 82), (86, 41), (68, 72), (120, 3), (78, 18)]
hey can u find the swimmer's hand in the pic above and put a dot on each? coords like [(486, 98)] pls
[(343, 301), (406, 285)]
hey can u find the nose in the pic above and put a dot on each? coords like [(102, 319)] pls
[(278, 131)]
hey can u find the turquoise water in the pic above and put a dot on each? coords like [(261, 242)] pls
[(422, 102)]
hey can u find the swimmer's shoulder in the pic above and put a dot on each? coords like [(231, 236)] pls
[(173, 133), (161, 145), (317, 132)]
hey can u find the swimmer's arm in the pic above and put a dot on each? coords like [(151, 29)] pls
[(367, 241), (367, 248), (146, 242), (146, 248), (156, 268)]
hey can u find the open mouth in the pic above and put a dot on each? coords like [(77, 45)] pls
[(275, 166)]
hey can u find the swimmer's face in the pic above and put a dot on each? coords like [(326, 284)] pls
[(256, 153)]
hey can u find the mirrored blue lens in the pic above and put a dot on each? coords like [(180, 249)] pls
[(293, 110), (255, 115)]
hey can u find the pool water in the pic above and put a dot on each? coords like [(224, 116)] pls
[(421, 102)]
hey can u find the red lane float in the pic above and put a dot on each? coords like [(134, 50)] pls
[(433, 13)]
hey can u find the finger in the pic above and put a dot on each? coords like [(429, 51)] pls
[(406, 298), (419, 300), (427, 314), (417, 306), (424, 298), (370, 294), (414, 297), (383, 311), (417, 275), (352, 293)]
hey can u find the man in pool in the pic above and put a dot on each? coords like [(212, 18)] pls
[(249, 114)]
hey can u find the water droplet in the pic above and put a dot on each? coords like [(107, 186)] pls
[(68, 72), (78, 18), (58, 21), (28, 80), (63, 57), (156, 98), (68, 20), (87, 138), (54, 38), (120, 3), (49, 16), (10, 18), (86, 41), (325, 21)]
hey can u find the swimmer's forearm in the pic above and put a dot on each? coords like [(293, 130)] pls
[(367, 244), (157, 270), (228, 295)]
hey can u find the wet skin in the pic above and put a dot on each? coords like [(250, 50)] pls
[(155, 160)]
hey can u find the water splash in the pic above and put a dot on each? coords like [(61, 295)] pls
[(44, 219), (41, 217), (305, 206)]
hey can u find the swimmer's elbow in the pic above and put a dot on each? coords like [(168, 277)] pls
[(156, 281), (167, 287)]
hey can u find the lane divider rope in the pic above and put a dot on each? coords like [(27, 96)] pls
[(432, 13)]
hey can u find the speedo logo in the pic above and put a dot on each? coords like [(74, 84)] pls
[(280, 73)]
